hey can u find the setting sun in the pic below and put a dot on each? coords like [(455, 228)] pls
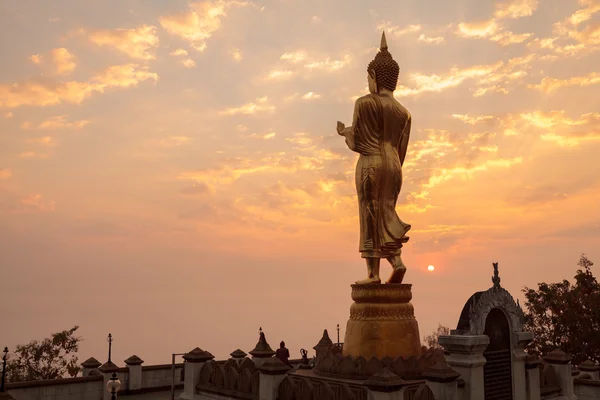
[(430, 268)]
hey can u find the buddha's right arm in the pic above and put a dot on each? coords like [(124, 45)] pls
[(349, 134)]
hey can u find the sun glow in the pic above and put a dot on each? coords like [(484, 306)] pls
[(430, 268)]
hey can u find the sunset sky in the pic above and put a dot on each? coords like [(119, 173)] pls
[(170, 171)]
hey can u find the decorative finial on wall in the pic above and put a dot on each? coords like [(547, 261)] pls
[(496, 278)]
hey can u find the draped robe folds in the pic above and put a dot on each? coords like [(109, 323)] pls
[(379, 133)]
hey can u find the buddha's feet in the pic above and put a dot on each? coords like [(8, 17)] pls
[(370, 280), (397, 275)]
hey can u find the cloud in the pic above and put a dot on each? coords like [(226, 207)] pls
[(5, 173), (36, 202), (264, 136), (178, 52), (33, 154), (492, 29), (311, 96), (236, 54), (330, 65), (58, 122), (488, 78), (514, 9), (277, 74), (188, 63), (173, 141), (260, 105), (473, 120), (8, 115), (200, 22), (294, 57), (16, 203), (43, 92), (548, 84), (139, 43), (301, 138), (431, 40), (553, 126), (536, 195), (395, 30), (63, 61), (46, 141), (194, 190), (37, 59)]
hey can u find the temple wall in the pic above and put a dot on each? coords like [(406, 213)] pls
[(587, 389), (154, 377), (88, 388)]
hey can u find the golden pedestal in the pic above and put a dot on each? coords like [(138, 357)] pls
[(382, 323)]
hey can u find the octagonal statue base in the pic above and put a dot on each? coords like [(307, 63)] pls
[(382, 322)]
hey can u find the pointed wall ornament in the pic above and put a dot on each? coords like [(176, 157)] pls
[(496, 277)]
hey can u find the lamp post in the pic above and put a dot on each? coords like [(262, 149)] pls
[(3, 369), (338, 332), (109, 340), (113, 386)]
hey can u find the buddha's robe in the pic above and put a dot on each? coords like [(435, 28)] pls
[(379, 133)]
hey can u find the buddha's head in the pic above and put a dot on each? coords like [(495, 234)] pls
[(383, 71)]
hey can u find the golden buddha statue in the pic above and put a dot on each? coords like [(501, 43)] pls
[(379, 133)]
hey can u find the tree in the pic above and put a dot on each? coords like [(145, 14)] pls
[(567, 316), (51, 358), (432, 340)]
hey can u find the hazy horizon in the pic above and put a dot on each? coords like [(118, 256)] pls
[(170, 172)]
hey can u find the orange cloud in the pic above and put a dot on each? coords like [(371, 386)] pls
[(396, 30), (35, 202), (260, 105), (5, 173), (516, 9), (330, 65), (139, 43), (200, 22), (188, 63), (277, 74), (173, 141), (431, 40), (236, 54), (550, 84), (264, 136), (58, 122), (47, 141), (33, 154), (492, 28), (43, 92), (489, 78), (311, 96), (63, 61), (294, 57), (551, 126), (36, 58), (178, 52)]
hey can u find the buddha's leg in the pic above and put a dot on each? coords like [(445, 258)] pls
[(399, 269), (372, 270)]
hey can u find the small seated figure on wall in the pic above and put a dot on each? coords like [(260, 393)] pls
[(283, 354)]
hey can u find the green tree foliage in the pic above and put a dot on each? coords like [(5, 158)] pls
[(566, 316), (432, 340), (51, 358)]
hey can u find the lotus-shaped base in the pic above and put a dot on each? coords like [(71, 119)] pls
[(382, 323)]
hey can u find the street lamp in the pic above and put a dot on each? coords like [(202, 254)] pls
[(3, 369), (113, 386)]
